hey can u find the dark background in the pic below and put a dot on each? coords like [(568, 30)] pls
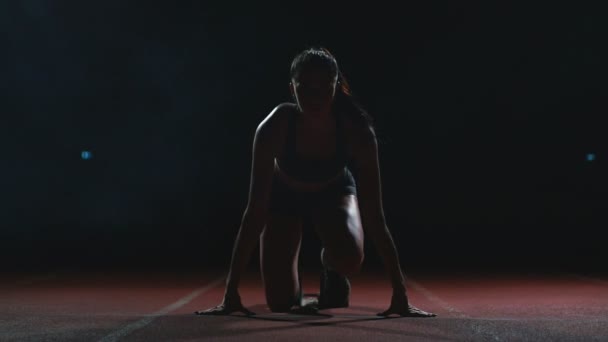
[(486, 114)]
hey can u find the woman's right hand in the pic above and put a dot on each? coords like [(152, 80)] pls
[(232, 303)]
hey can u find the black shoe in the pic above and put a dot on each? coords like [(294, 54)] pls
[(335, 290)]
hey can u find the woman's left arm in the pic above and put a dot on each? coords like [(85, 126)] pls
[(369, 189)]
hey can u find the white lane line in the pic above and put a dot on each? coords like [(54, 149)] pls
[(430, 296), (481, 330), (124, 331)]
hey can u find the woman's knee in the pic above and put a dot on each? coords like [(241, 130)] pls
[(345, 262)]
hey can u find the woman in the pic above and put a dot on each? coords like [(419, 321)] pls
[(299, 170)]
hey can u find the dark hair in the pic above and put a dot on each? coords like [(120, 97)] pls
[(344, 101)]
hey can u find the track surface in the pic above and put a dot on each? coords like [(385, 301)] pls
[(112, 306)]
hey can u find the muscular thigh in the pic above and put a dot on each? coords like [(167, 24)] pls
[(337, 222)]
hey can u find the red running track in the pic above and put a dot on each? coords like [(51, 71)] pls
[(112, 306)]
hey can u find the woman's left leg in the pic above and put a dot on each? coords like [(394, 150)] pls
[(337, 222)]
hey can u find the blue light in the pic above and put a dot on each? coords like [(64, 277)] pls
[(86, 155), (590, 157)]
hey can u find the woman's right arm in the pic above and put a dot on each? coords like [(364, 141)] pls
[(254, 217)]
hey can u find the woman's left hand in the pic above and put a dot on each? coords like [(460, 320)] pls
[(400, 305)]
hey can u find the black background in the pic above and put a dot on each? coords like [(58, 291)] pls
[(485, 115)]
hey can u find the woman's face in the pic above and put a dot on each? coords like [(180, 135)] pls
[(314, 90)]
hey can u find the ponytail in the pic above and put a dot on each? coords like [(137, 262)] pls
[(345, 102)]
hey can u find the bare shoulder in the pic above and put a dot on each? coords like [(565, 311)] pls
[(271, 130), (272, 123)]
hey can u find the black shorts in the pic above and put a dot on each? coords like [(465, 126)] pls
[(289, 201)]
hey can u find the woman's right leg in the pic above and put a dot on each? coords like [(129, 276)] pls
[(279, 250)]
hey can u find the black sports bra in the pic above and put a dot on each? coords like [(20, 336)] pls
[(312, 170)]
